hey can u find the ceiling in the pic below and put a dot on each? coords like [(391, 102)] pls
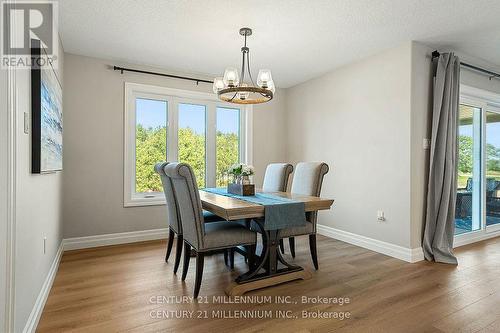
[(297, 40)]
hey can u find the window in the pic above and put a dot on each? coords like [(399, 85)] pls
[(477, 212), (150, 142), (228, 142), (176, 125), (192, 139)]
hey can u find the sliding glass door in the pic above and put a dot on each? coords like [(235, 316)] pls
[(492, 166), (478, 184), (467, 211)]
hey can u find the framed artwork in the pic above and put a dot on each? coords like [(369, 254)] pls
[(46, 114)]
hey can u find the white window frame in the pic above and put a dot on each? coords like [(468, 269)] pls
[(173, 98), (488, 102)]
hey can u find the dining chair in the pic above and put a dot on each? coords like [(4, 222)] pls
[(276, 180), (198, 235), (174, 224), (307, 180), (276, 177)]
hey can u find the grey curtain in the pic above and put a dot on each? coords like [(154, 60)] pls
[(441, 190)]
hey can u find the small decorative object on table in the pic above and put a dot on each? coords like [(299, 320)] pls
[(241, 184)]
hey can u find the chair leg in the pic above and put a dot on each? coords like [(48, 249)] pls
[(312, 247), (200, 260), (282, 246), (178, 252), (226, 256), (187, 256), (245, 256), (291, 241), (170, 243), (248, 224), (231, 257), (251, 255)]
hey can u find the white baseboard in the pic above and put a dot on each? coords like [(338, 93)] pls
[(36, 313), (114, 239), (396, 251)]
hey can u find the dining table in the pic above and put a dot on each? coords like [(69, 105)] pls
[(270, 267)]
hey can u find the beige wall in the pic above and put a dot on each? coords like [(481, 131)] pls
[(480, 81), (421, 106), (357, 119), (93, 146), (38, 211), (269, 134)]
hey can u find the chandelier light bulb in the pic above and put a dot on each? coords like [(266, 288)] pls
[(243, 95), (271, 86), (231, 77), (264, 78), (218, 84)]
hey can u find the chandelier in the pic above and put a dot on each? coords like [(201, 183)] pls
[(232, 87)]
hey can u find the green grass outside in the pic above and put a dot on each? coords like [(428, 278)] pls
[(462, 177)]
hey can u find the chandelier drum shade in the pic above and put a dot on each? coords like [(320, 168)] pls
[(232, 87)]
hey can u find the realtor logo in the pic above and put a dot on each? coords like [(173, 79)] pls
[(23, 21)]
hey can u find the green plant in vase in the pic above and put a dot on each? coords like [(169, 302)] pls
[(241, 173)]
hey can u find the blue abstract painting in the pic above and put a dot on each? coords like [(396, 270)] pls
[(51, 122)]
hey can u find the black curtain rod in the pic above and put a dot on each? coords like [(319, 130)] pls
[(491, 74), (123, 69)]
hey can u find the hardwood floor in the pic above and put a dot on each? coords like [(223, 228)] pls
[(118, 288)]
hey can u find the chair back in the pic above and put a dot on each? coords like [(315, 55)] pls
[(276, 177), (188, 202), (468, 187), (172, 213), (492, 186), (308, 178)]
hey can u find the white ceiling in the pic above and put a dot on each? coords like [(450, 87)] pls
[(297, 40)]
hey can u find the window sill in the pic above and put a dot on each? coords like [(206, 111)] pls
[(140, 202)]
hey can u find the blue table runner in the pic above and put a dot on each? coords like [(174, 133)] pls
[(279, 212)]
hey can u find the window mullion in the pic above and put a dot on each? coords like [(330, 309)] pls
[(173, 128), (211, 158), (246, 139), (482, 165)]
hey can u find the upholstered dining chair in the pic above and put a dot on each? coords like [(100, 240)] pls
[(198, 235), (174, 223), (307, 180), (276, 177), (276, 180), (175, 227)]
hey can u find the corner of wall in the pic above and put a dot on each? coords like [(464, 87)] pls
[(421, 110)]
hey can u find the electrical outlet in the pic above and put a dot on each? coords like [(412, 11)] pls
[(380, 216), (44, 245)]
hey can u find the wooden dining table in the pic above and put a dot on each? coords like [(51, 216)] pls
[(266, 270)]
